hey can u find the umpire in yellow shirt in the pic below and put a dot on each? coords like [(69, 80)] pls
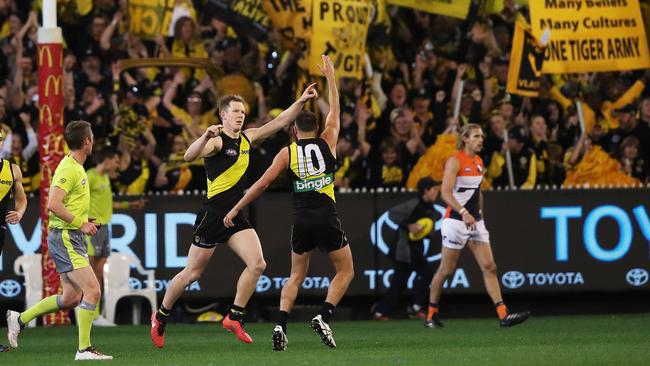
[(68, 203)]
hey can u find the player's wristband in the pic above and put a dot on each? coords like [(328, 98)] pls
[(462, 211), (76, 222)]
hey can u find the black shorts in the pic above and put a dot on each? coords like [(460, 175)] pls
[(324, 232), (209, 229)]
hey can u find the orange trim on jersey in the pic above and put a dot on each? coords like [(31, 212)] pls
[(469, 166)]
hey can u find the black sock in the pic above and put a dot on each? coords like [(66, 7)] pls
[(284, 316), (237, 312), (163, 314), (326, 311)]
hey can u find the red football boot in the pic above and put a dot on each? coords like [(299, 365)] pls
[(157, 331), (236, 327)]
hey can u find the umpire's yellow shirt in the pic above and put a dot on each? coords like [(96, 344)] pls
[(71, 177)]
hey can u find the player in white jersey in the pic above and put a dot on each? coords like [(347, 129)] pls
[(463, 225)]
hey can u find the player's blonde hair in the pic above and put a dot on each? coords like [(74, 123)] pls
[(464, 133)]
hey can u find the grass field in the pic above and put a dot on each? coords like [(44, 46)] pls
[(567, 340)]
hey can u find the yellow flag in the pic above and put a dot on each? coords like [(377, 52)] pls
[(452, 8), (246, 17), (340, 31), (293, 21), (252, 10), (591, 36), (525, 66), (147, 17)]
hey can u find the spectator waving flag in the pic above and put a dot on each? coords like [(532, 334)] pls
[(526, 60)]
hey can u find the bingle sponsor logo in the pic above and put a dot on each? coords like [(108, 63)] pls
[(516, 279), (314, 184)]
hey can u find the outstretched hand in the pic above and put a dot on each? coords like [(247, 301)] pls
[(309, 93), (327, 68)]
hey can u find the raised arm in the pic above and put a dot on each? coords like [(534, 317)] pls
[(32, 140), (207, 144), (280, 163), (284, 119), (107, 34), (170, 93), (333, 121)]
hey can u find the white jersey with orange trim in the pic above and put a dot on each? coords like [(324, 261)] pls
[(467, 188)]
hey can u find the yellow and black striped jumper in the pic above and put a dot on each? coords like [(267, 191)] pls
[(226, 174), (6, 188), (316, 223)]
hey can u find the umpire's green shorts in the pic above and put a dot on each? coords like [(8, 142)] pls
[(68, 249)]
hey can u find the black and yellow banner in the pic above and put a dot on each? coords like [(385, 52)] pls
[(340, 31), (591, 36), (526, 60), (149, 18), (247, 17), (452, 8), (293, 20)]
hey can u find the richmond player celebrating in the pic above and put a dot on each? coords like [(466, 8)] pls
[(310, 163)]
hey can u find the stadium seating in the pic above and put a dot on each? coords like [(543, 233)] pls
[(29, 266), (117, 271)]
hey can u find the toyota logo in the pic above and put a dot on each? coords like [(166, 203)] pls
[(637, 277), (9, 288), (263, 284), (513, 279)]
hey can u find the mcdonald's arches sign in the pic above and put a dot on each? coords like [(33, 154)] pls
[(51, 82)]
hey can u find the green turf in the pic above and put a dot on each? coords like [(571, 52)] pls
[(567, 340)]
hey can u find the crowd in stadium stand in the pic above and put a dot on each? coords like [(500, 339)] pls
[(388, 121)]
